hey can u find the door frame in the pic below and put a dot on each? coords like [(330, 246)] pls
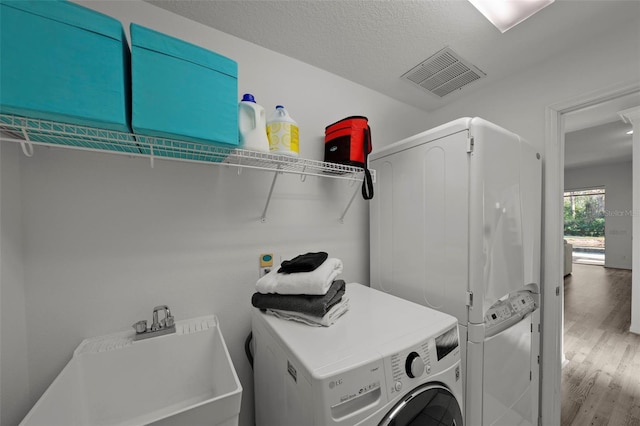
[(553, 231)]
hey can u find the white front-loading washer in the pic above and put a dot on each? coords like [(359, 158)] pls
[(386, 361)]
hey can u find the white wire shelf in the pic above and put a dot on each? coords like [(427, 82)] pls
[(49, 133), (32, 131)]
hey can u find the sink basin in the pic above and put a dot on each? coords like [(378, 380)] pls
[(184, 378)]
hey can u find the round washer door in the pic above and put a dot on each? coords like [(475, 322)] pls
[(427, 405)]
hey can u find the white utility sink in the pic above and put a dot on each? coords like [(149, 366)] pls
[(184, 378)]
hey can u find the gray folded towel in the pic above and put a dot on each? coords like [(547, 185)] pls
[(316, 305)]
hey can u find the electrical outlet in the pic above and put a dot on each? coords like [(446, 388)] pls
[(266, 264), (264, 271)]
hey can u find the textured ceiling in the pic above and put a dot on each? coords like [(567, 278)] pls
[(603, 144), (374, 43)]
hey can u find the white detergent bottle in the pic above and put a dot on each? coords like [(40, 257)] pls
[(282, 132), (252, 125)]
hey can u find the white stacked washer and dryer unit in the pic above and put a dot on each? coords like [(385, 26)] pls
[(386, 361), (455, 226)]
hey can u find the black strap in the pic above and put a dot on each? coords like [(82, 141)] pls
[(367, 182)]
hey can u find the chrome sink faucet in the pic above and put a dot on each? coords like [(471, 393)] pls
[(167, 321), (158, 327)]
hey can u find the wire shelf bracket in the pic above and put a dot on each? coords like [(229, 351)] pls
[(263, 218)]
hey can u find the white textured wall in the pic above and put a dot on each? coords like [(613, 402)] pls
[(14, 384), (106, 238), (617, 180), (632, 115)]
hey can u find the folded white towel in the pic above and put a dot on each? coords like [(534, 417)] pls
[(327, 320), (316, 282)]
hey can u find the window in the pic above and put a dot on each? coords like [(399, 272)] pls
[(584, 213)]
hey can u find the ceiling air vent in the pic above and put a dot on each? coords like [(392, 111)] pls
[(443, 73)]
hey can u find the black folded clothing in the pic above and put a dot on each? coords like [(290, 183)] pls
[(308, 304), (303, 263)]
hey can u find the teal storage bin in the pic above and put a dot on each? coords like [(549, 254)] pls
[(64, 62), (184, 92)]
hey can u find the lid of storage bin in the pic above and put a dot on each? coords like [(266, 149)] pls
[(71, 14), (171, 46)]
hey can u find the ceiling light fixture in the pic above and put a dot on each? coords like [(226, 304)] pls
[(506, 14), (630, 132)]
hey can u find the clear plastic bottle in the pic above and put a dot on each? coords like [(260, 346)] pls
[(282, 132), (252, 125)]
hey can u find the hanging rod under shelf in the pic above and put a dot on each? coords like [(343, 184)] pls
[(32, 131)]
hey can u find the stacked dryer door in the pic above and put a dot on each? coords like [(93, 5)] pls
[(419, 234), (455, 226), (419, 221)]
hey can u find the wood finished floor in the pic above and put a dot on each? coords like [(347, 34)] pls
[(601, 383)]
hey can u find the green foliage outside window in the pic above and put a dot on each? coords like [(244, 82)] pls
[(584, 213)]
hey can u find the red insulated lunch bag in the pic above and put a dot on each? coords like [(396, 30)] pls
[(348, 141)]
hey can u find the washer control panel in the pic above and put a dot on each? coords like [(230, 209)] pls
[(415, 365), (393, 373), (409, 364)]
